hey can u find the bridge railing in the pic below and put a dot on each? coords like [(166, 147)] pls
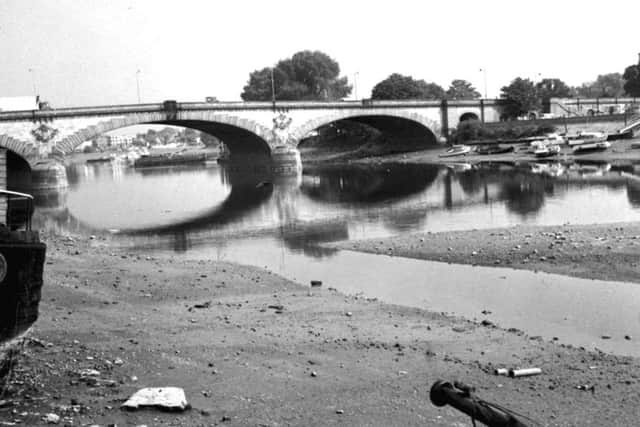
[(105, 110)]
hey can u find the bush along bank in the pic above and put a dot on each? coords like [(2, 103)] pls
[(473, 130)]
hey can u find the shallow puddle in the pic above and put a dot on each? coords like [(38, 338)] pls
[(576, 311)]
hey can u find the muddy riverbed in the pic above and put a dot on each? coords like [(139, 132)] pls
[(251, 348)]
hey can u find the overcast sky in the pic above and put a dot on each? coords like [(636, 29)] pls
[(87, 52)]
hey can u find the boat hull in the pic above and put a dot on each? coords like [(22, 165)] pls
[(169, 160), (591, 147), (20, 287), (456, 151)]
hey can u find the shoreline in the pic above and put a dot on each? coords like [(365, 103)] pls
[(322, 358)]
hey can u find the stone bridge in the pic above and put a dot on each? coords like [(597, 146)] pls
[(245, 127)]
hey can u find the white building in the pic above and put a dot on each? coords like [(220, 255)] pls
[(120, 140), (19, 103)]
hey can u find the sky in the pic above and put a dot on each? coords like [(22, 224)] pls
[(99, 52)]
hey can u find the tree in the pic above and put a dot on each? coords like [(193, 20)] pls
[(519, 98), (632, 80), (552, 88), (462, 89), (397, 86), (306, 75), (606, 86)]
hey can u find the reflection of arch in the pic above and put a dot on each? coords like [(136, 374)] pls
[(240, 135), (468, 116), (248, 192), (404, 124)]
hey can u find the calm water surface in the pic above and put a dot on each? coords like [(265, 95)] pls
[(279, 223)]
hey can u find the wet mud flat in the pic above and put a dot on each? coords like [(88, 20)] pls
[(251, 348), (595, 251)]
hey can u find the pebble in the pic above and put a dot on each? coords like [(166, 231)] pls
[(51, 418)]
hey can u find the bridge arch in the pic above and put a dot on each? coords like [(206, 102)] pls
[(469, 115), (239, 134), (410, 123), (25, 150)]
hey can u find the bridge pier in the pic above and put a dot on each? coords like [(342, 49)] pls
[(285, 160), (48, 176)]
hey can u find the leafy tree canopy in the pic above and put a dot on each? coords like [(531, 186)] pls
[(306, 75), (462, 89), (552, 88), (632, 80), (606, 86), (397, 86), (519, 98)]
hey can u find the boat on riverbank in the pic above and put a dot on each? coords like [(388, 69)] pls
[(586, 138), (547, 150), (456, 150), (101, 159), (490, 149), (169, 159), (591, 147), (21, 265)]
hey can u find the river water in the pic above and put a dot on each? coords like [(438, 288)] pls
[(280, 223)]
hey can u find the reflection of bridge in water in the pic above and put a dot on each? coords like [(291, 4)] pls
[(400, 196)]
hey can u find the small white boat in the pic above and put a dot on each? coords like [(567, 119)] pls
[(587, 138), (547, 150), (456, 150), (589, 147), (554, 138)]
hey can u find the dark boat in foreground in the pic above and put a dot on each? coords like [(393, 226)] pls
[(21, 264)]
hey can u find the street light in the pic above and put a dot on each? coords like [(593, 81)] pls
[(33, 82), (484, 72), (273, 90), (355, 84), (138, 84)]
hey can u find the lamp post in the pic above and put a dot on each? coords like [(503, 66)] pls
[(273, 90), (355, 84), (138, 84), (33, 82), (484, 72)]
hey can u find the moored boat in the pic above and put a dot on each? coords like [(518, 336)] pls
[(590, 147), (547, 151), (456, 150), (586, 138), (494, 149), (169, 159), (21, 264), (101, 159)]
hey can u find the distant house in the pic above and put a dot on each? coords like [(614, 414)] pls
[(120, 141)]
